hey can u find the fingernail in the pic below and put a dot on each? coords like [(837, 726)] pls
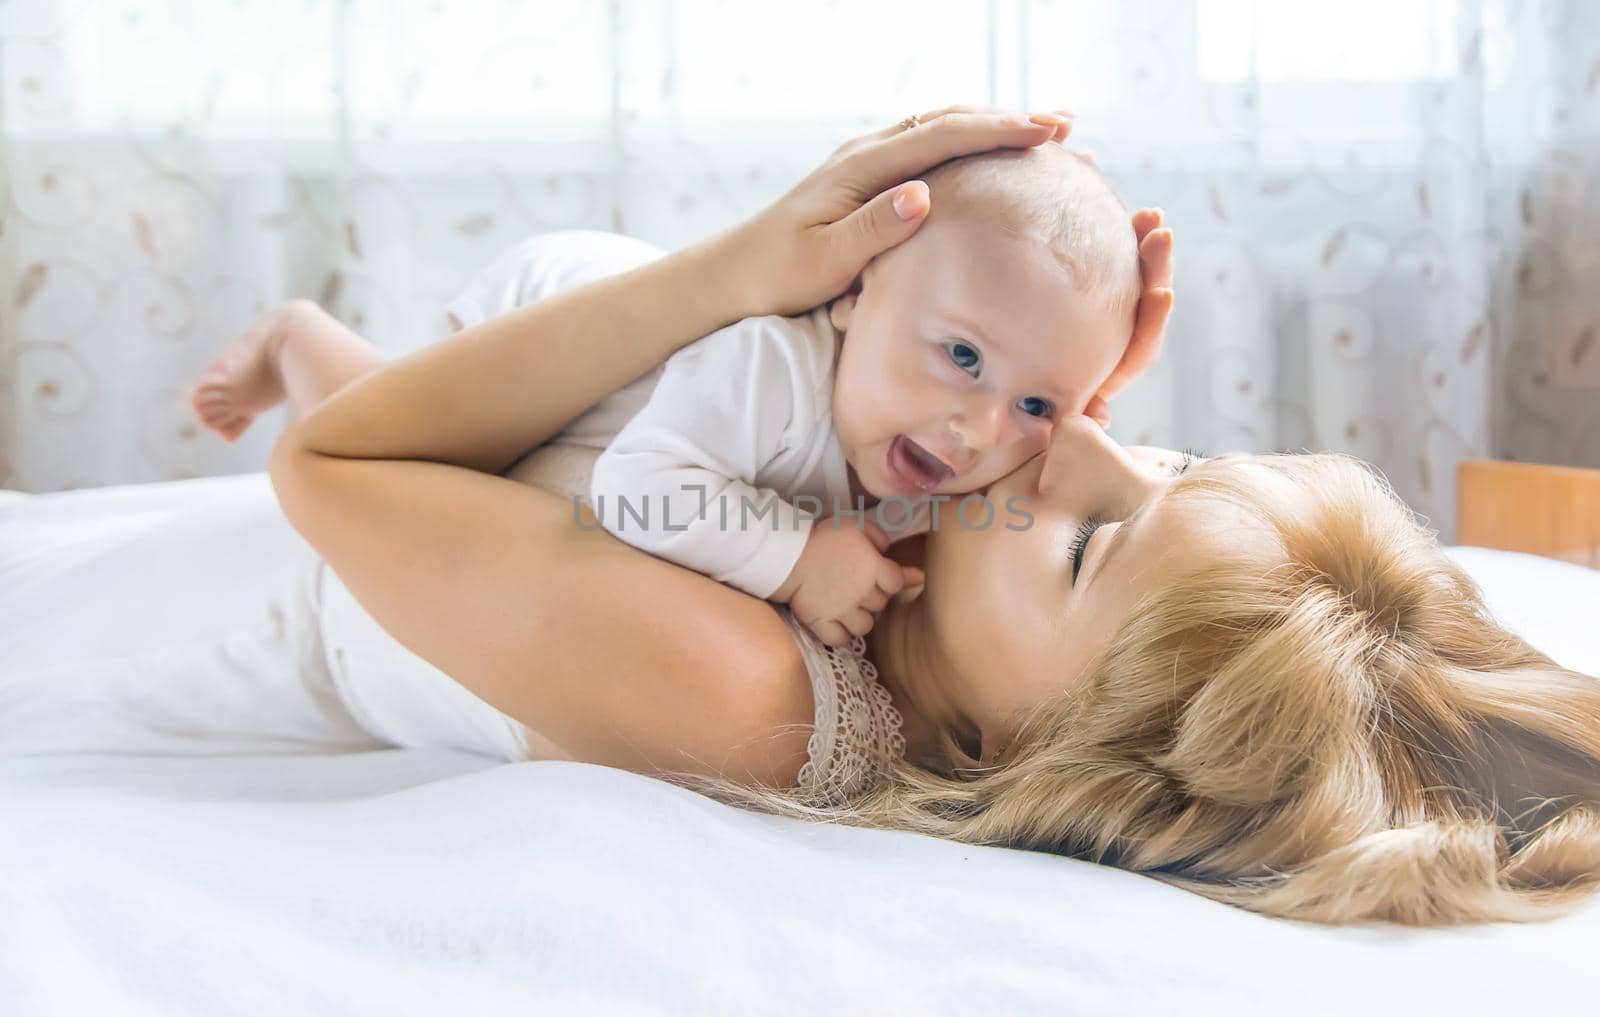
[(910, 202), (1049, 119)]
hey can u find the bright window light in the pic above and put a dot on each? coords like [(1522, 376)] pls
[(1354, 40)]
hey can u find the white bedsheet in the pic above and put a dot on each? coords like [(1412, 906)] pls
[(429, 882)]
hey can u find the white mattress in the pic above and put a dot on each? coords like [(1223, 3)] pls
[(411, 882)]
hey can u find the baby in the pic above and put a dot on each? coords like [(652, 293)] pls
[(941, 371)]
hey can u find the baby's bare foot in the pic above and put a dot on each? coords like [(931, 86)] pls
[(244, 379)]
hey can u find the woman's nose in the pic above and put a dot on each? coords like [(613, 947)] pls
[(1085, 460)]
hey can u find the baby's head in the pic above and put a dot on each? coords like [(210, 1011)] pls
[(1004, 313)]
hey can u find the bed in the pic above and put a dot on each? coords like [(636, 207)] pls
[(426, 882)]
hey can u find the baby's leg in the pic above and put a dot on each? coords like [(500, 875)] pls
[(298, 352)]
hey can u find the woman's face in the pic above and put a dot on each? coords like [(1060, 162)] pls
[(1017, 615)]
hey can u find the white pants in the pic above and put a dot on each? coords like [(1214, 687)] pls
[(189, 617)]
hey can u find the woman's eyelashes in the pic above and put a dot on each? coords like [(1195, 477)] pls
[(1080, 541), (1086, 529), (1189, 457)]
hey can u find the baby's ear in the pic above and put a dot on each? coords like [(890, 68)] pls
[(842, 310)]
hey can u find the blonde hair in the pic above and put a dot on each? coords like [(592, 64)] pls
[(1053, 194), (1343, 736)]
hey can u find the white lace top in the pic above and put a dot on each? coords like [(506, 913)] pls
[(857, 728)]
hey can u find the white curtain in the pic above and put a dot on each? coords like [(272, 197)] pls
[(1386, 213)]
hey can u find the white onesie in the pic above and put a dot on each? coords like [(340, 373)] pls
[(719, 459), (856, 734)]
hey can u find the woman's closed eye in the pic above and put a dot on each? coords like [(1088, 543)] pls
[(1087, 529), (1080, 543), (1187, 458)]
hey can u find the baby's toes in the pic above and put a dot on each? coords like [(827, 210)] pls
[(234, 427), (211, 403), (214, 414)]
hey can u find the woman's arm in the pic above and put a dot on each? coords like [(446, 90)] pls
[(491, 392), (618, 657), (484, 396)]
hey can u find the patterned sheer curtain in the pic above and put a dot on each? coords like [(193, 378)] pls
[(1386, 210)]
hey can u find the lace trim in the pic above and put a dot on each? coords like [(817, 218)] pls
[(857, 731)]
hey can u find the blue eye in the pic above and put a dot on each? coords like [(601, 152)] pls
[(964, 357), (1033, 406)]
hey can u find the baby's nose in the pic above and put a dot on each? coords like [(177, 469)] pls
[(978, 427)]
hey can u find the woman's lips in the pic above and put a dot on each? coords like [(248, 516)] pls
[(915, 467)]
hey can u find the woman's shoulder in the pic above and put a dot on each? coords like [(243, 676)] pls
[(804, 714), (767, 705)]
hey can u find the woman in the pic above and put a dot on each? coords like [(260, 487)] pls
[(1259, 678)]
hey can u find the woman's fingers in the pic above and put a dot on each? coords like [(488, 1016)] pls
[(1145, 220), (884, 221), (811, 244), (1144, 346), (1155, 304), (924, 119), (907, 153), (893, 215), (1061, 118), (1155, 307), (1155, 258), (1099, 411)]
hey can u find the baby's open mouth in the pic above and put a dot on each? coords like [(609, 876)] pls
[(919, 469)]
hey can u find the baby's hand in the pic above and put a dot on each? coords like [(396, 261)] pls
[(841, 580)]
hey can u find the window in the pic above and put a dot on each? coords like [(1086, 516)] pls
[(1239, 40)]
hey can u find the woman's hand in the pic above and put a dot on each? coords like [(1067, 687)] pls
[(809, 246), (1150, 321)]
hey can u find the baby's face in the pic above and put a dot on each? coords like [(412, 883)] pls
[(964, 347)]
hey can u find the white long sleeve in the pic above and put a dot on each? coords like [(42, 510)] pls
[(736, 429)]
